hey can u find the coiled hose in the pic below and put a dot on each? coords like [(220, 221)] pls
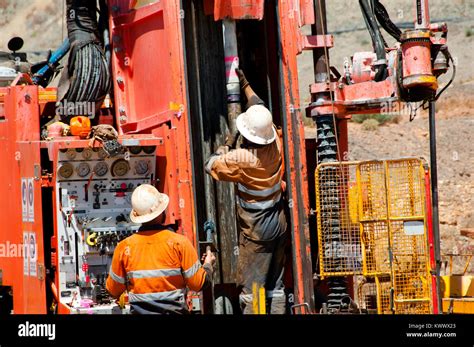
[(87, 76)]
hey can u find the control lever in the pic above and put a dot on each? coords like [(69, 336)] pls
[(96, 204), (86, 192), (120, 218)]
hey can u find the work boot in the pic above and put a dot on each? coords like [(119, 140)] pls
[(276, 302), (246, 303)]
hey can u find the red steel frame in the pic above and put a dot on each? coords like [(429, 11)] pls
[(429, 218)]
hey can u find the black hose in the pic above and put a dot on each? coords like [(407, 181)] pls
[(453, 76), (87, 77), (385, 21), (377, 39)]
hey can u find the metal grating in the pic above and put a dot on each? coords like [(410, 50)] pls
[(371, 222), (338, 233), (406, 190), (373, 295), (375, 248), (372, 187), (410, 271)]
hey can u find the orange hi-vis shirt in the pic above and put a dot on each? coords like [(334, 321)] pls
[(155, 267)]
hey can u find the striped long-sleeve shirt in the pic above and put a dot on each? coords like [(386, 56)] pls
[(258, 173), (156, 267)]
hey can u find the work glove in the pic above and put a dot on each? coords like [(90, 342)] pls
[(230, 140), (209, 258), (242, 79), (222, 150)]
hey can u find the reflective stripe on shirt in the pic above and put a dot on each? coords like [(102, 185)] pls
[(192, 270), (260, 193), (116, 278), (174, 295), (259, 205), (154, 273), (211, 163)]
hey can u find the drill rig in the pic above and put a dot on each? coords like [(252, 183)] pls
[(374, 82), (172, 103)]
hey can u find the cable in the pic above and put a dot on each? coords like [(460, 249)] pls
[(453, 76)]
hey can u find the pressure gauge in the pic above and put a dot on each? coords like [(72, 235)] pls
[(101, 168), (83, 169), (149, 149), (66, 170), (142, 167), (120, 167), (102, 154), (71, 153), (87, 153), (135, 150)]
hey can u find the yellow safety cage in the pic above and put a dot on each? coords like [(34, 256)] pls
[(372, 225)]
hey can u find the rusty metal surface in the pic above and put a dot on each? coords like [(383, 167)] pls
[(235, 9), (295, 159), (207, 100)]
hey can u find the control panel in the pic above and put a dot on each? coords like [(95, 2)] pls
[(94, 199)]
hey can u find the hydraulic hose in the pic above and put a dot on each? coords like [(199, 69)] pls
[(87, 76), (377, 38), (385, 21)]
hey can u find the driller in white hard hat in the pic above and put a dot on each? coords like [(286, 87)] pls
[(256, 165), (147, 204), (256, 125)]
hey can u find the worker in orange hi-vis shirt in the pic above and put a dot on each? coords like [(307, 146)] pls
[(156, 265)]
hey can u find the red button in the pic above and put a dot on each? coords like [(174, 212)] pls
[(123, 186)]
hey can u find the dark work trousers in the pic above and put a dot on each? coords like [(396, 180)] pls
[(262, 262)]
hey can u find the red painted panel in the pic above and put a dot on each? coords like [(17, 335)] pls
[(235, 9), (19, 135), (150, 94)]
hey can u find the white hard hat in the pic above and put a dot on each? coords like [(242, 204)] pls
[(256, 125), (147, 204)]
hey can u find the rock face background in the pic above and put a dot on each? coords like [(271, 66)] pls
[(41, 24)]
